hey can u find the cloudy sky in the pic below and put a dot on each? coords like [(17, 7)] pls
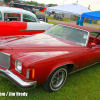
[(94, 4)]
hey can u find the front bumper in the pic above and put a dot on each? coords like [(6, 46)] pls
[(15, 79)]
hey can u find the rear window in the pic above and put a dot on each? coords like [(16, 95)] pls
[(28, 18)]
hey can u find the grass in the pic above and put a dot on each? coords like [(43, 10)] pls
[(81, 85), (55, 23), (64, 19)]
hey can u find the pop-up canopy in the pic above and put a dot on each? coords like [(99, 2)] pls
[(91, 15), (69, 8)]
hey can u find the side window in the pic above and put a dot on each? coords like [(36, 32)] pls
[(94, 37), (12, 17), (0, 16), (28, 18)]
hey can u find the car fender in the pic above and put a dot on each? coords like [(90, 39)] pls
[(59, 65), (38, 26)]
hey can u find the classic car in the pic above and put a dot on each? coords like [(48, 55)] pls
[(58, 16), (32, 8), (42, 17), (47, 58), (16, 21)]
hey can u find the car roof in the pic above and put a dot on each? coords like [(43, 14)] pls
[(82, 27), (15, 10)]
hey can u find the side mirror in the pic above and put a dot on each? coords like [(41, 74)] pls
[(93, 44)]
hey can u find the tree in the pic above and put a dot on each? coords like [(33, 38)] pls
[(35, 3), (50, 5), (7, 1)]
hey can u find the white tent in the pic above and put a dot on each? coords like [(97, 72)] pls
[(73, 8)]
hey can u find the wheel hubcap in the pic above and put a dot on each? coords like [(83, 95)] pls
[(58, 79)]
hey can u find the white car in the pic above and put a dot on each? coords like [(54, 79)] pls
[(16, 21)]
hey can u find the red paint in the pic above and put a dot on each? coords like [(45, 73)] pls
[(16, 28), (43, 10), (45, 53)]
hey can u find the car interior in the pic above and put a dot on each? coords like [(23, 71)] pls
[(94, 38)]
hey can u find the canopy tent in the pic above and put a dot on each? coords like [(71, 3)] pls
[(91, 15), (73, 8)]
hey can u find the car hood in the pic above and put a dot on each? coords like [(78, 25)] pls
[(42, 46), (42, 41)]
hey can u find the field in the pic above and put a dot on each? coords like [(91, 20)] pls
[(81, 85)]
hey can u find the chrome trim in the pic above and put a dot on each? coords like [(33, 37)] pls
[(7, 62), (84, 67), (15, 79), (16, 64), (79, 29)]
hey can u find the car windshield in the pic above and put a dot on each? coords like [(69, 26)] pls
[(75, 35)]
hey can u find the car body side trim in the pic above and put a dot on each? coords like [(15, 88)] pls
[(84, 67)]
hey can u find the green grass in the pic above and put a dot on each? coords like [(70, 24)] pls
[(81, 85), (64, 19), (55, 23), (50, 17), (95, 28)]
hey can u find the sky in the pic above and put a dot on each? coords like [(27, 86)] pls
[(94, 4)]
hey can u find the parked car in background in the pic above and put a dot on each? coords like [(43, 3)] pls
[(16, 21), (46, 59), (42, 17), (58, 16)]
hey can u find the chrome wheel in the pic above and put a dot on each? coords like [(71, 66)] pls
[(58, 79)]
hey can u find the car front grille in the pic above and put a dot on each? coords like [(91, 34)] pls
[(4, 60)]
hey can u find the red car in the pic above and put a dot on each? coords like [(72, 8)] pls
[(46, 59), (16, 21)]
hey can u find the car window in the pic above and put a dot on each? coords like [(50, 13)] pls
[(28, 18), (69, 33), (94, 38), (0, 16), (93, 34), (12, 16)]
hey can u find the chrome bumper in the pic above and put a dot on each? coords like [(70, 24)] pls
[(15, 79)]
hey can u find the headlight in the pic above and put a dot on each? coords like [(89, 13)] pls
[(18, 65)]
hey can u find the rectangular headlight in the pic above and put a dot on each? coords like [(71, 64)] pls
[(18, 65)]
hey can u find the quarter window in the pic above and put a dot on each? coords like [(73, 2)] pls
[(94, 38), (28, 18)]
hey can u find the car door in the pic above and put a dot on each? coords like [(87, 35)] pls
[(92, 54), (8, 28)]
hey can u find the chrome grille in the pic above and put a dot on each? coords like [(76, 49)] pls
[(4, 60)]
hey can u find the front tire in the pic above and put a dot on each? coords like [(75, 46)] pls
[(56, 80)]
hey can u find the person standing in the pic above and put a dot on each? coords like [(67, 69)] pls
[(78, 22)]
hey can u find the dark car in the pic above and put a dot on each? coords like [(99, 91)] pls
[(42, 17), (58, 16)]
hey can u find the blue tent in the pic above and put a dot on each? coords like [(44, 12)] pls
[(91, 15)]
